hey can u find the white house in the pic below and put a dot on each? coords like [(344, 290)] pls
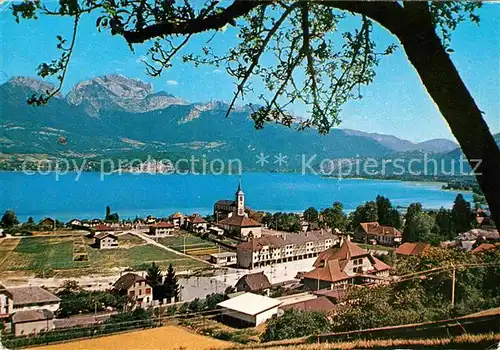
[(249, 309), (162, 229)]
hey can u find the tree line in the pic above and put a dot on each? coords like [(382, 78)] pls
[(417, 224)]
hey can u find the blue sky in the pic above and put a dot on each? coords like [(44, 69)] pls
[(396, 103)]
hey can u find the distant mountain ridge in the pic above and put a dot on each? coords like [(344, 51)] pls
[(114, 114), (400, 145)]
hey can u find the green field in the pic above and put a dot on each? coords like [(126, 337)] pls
[(48, 255), (191, 241)]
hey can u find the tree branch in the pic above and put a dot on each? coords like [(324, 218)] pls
[(389, 14), (237, 9)]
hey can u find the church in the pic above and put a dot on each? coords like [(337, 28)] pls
[(232, 218)]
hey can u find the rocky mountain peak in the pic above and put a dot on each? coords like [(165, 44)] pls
[(117, 92), (33, 84)]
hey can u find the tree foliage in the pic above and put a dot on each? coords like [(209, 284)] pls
[(314, 61), (9, 219), (461, 215), (311, 214), (294, 324), (154, 277), (367, 212), (171, 285), (289, 222), (334, 217)]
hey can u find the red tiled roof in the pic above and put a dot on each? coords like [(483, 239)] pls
[(255, 281), (483, 247), (196, 219), (331, 272), (127, 280), (103, 228), (376, 229), (318, 304), (330, 264), (413, 248), (240, 221), (164, 225)]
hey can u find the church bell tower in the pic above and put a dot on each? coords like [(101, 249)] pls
[(240, 200)]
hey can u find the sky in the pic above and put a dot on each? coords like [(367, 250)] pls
[(396, 103)]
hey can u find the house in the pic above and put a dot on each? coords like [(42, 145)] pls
[(249, 309), (415, 249), (49, 223), (241, 226), (223, 259), (254, 283), (136, 287), (322, 304), (32, 321), (6, 304), (348, 264), (177, 219), (275, 249), (195, 223), (373, 231), (33, 298), (95, 222), (106, 240), (162, 229), (483, 247), (74, 224)]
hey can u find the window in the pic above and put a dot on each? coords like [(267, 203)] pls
[(140, 291), (148, 290), (131, 293)]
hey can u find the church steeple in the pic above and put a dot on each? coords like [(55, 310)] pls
[(240, 200)]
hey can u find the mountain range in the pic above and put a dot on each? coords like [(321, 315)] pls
[(116, 115)]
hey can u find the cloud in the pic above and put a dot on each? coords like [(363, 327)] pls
[(172, 82), (217, 71)]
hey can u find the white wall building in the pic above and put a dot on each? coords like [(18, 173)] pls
[(249, 309)]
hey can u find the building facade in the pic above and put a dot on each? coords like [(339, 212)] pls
[(136, 287), (162, 229), (266, 250), (106, 240), (348, 264)]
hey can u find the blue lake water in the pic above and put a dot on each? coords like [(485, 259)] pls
[(161, 195)]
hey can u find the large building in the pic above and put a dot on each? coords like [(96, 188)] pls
[(266, 250), (348, 264), (232, 218)]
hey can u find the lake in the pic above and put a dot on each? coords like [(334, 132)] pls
[(161, 195)]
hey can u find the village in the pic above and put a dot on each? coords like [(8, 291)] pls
[(249, 271)]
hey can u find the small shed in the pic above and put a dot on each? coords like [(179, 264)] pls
[(223, 259), (249, 309)]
